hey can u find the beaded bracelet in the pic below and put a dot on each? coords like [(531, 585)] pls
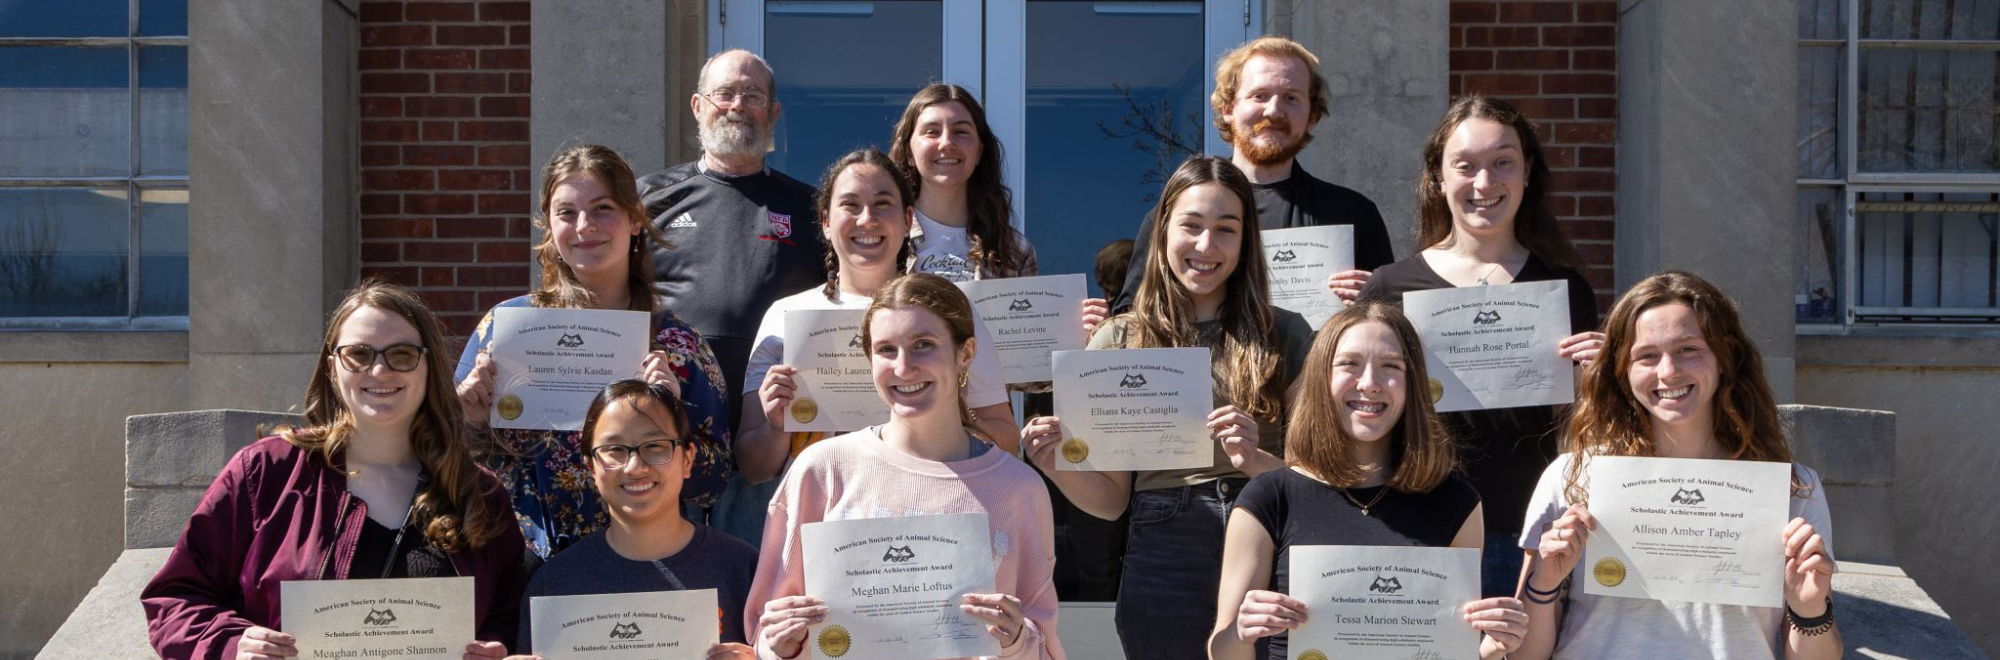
[(1810, 626)]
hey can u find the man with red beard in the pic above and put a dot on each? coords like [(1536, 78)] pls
[(1268, 97)]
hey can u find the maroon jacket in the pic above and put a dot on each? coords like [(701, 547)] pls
[(277, 513)]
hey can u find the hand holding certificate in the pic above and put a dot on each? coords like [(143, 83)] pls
[(549, 363), (1495, 346), (1705, 531), (642, 626), (893, 586), (421, 618), (1134, 409), (1030, 317), (1300, 260), (1384, 603), (832, 389)]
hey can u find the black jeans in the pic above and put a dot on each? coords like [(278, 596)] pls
[(1173, 564)]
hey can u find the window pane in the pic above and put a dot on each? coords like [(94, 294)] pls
[(1818, 278), (1928, 111), (65, 18), (163, 18), (64, 112), (1114, 105), (62, 251), (1819, 112), (1930, 19), (846, 70), (163, 115), (1929, 250), (1822, 19), (163, 253)]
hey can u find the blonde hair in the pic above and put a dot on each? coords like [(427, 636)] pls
[(938, 296)]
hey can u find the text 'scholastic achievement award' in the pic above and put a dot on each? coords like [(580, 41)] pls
[(417, 618), (642, 626), (549, 363), (1705, 531), (1495, 346), (1384, 603), (892, 586), (834, 390), (1300, 260), (1134, 409), (1029, 317)]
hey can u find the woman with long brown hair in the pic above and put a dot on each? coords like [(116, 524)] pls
[(376, 483), (1368, 463), (1679, 378), (1205, 286), (595, 254), (964, 213), (1484, 217)]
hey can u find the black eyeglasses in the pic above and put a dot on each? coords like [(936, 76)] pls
[(400, 357), (657, 452)]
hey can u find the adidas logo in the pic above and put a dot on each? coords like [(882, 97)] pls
[(684, 221)]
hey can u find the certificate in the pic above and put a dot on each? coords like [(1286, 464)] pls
[(1029, 317), (422, 618), (1495, 346), (1300, 260), (549, 363), (1686, 529), (892, 586), (1384, 603), (1134, 409), (642, 626), (832, 390)]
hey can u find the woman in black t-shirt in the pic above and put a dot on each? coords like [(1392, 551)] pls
[(1484, 218), (1368, 464)]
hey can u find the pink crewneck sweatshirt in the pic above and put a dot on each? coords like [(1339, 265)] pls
[(857, 476)]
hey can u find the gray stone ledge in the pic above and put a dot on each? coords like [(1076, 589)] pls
[(94, 346), (1847, 446), (1955, 351), (188, 448), (109, 624)]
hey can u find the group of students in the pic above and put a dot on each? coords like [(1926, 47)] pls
[(1321, 438)]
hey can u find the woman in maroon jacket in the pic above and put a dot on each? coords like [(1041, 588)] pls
[(377, 483)]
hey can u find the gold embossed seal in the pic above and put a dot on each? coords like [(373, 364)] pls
[(834, 641), (805, 410), (1437, 390), (1312, 654), (1075, 450), (1608, 572), (509, 407)]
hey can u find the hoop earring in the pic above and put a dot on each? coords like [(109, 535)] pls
[(962, 377)]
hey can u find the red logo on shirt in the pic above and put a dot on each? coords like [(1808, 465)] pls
[(781, 225)]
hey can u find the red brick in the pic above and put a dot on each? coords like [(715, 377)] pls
[(472, 228), (395, 83), (1592, 230), (1594, 132), (1545, 108), (381, 58), (1574, 181), (504, 155), (438, 204), (1559, 157), (1562, 206), (1602, 206), (518, 35), (471, 35), (379, 155), (470, 83), (400, 275), (489, 298), (1580, 35), (460, 326), (1466, 59), (503, 59), (474, 180), (1602, 277), (1605, 157), (520, 179), (1457, 37), (517, 83), (1536, 12), (503, 252), (1457, 85), (520, 228), (437, 251), (439, 154), (381, 12), (375, 228), (1597, 11), (381, 106), (515, 277), (440, 106), (440, 131), (436, 276), (510, 12), (511, 204), (1531, 60), (1501, 84), (439, 58), (396, 35), (1503, 37), (503, 106), (493, 131), (451, 301), (397, 180), (1471, 12), (375, 252), (381, 204), (1595, 252), (439, 12), (1597, 108), (1594, 59), (1579, 83)]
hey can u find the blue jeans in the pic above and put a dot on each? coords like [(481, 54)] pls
[(1500, 565), (1173, 562), (741, 509)]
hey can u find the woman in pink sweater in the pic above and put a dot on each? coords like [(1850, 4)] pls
[(926, 459)]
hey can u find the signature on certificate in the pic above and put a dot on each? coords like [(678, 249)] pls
[(1426, 654), (1530, 379), (948, 625), (1727, 573)]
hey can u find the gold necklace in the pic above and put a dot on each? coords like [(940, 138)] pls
[(1371, 502)]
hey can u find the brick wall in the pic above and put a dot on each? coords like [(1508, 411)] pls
[(1557, 62), (444, 151)]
